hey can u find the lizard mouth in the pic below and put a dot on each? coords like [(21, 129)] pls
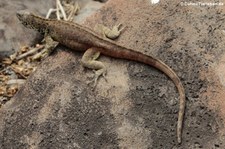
[(19, 15), (22, 15)]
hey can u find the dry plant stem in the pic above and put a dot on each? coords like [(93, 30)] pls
[(20, 73), (16, 81), (30, 52), (72, 10), (51, 10), (61, 11), (57, 10), (60, 7)]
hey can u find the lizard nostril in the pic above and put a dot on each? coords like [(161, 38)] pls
[(18, 15), (22, 14)]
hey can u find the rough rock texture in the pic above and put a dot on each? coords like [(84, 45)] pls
[(137, 106)]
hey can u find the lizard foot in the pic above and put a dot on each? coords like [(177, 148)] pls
[(109, 33), (97, 75)]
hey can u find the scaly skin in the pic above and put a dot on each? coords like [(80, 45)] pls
[(74, 35)]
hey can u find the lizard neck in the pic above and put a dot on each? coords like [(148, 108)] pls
[(38, 23)]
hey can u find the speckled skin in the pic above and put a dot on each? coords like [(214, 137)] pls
[(81, 38)]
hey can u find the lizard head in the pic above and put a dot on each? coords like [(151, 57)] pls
[(25, 18), (30, 20)]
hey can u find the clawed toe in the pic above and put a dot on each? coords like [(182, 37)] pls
[(95, 79)]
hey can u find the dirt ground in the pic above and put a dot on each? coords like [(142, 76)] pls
[(137, 106)]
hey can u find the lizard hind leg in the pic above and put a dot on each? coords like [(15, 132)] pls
[(89, 60)]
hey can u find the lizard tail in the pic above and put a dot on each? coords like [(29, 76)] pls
[(149, 60), (137, 56), (172, 75)]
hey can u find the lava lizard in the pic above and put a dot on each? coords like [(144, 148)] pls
[(81, 38)]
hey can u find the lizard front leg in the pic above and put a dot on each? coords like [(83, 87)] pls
[(89, 58), (50, 45)]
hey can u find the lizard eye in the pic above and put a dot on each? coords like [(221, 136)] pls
[(25, 23)]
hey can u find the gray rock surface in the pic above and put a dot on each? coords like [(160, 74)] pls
[(137, 106)]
